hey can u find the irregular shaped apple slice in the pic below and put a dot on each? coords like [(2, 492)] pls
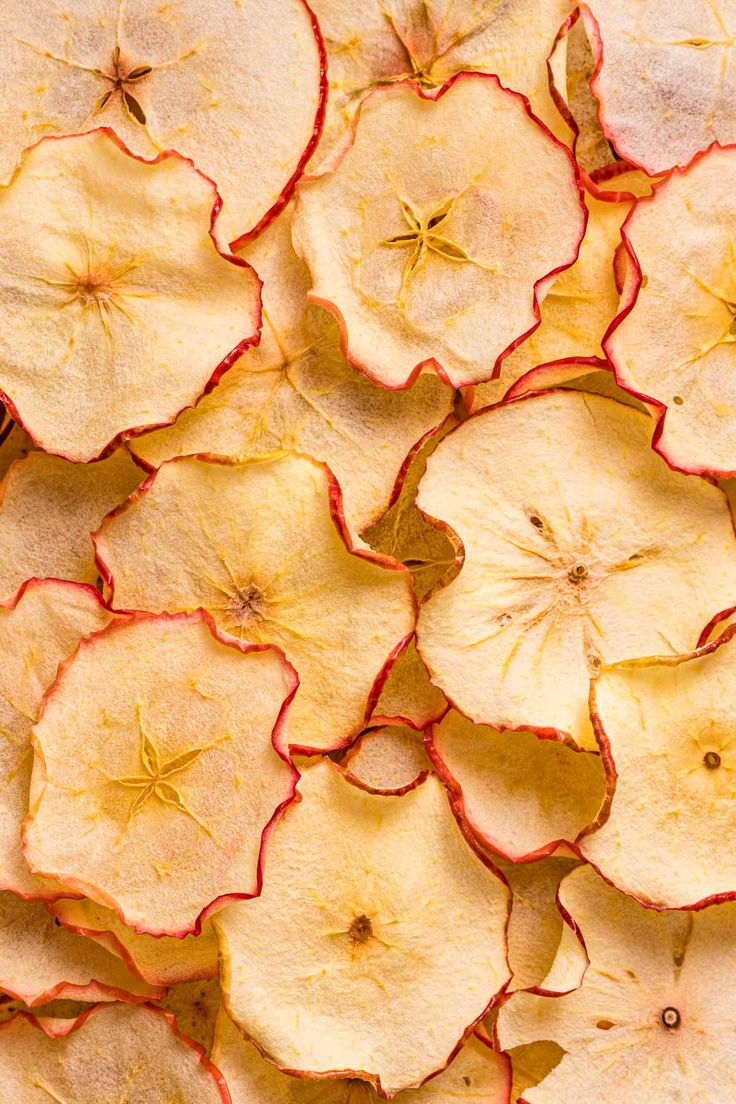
[(106, 331), (194, 1006), (42, 627), (652, 998), (531, 1063), (296, 391), (364, 928), (389, 759), (422, 243), (518, 795), (109, 1050), (261, 546), (572, 557), (14, 442), (592, 149), (407, 696), (178, 734), (48, 508), (576, 375), (159, 961), (477, 1074), (677, 320), (223, 84)]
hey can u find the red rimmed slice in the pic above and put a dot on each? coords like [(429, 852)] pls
[(378, 925), (389, 759), (592, 149), (421, 241), (576, 537), (207, 79), (518, 795), (296, 391), (407, 696), (109, 1050), (178, 734), (262, 546), (652, 1015), (194, 1006), (119, 304)]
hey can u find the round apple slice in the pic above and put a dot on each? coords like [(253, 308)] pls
[(110, 1054), (576, 538), (159, 961), (671, 342), (119, 305), (652, 1017), (48, 507), (178, 734), (39, 629), (477, 1074), (389, 759), (262, 546), (296, 391), (226, 85), (363, 886), (422, 241), (517, 794)]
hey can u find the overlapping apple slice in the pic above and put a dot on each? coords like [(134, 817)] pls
[(296, 391), (407, 696), (576, 538), (178, 734), (388, 759), (592, 148), (652, 1019), (194, 1006), (48, 507), (119, 305), (262, 546), (422, 241), (111, 1053), (677, 321), (239, 88), (364, 885)]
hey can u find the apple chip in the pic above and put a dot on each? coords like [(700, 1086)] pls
[(48, 508), (529, 1064), (239, 88), (177, 734), (39, 629), (577, 536), (434, 239), (652, 1019), (194, 1006), (407, 696), (119, 305), (296, 391), (14, 442), (159, 961), (111, 1054), (261, 546), (388, 759), (363, 886), (519, 795), (477, 1074), (577, 375), (592, 148)]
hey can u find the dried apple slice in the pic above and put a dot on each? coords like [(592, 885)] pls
[(48, 508), (652, 1018), (194, 1006), (39, 629), (422, 242), (477, 1074), (407, 696), (119, 304), (110, 1054), (578, 376), (159, 961), (296, 391), (389, 759), (178, 734), (226, 85), (377, 925), (517, 794), (530, 1063), (261, 545), (14, 442), (576, 538)]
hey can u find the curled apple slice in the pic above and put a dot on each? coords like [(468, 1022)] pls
[(14, 442), (421, 241), (389, 759), (178, 734), (261, 545), (576, 537), (375, 925), (119, 306)]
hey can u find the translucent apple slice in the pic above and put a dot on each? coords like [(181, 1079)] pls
[(119, 304), (178, 734), (296, 391), (363, 885), (652, 1018), (262, 546), (231, 86), (422, 241), (388, 759), (576, 538)]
